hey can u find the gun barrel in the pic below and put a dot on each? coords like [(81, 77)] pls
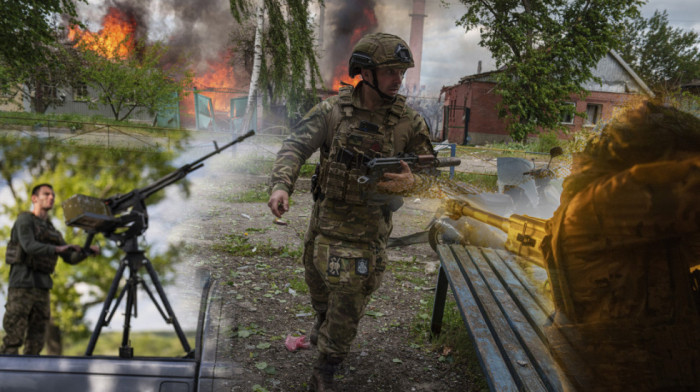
[(447, 162), (525, 234), (456, 208)]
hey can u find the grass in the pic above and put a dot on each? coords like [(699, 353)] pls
[(257, 194), (240, 245), (253, 165), (145, 344), (80, 122), (454, 343), (486, 182), (299, 285)]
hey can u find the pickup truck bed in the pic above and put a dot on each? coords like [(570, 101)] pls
[(211, 370)]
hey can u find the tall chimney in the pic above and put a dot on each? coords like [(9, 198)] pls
[(416, 44)]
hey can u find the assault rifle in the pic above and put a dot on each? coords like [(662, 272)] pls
[(525, 233), (123, 218), (375, 168)]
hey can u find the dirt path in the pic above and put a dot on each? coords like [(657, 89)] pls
[(259, 262)]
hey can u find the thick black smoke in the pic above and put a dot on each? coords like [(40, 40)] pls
[(347, 22), (198, 29)]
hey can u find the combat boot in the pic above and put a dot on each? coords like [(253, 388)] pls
[(313, 336), (322, 376)]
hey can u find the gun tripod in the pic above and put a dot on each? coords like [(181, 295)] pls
[(134, 260)]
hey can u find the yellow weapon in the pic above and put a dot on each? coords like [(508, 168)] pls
[(525, 233)]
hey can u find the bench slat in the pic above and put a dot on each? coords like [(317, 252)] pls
[(498, 375), (511, 348), (531, 276), (522, 312)]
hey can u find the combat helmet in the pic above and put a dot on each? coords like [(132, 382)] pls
[(379, 50)]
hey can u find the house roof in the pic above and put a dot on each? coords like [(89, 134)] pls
[(614, 72)]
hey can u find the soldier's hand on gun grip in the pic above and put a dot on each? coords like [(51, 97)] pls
[(67, 248), (92, 251), (397, 182), (278, 203)]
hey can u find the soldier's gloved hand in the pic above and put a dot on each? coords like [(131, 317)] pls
[(397, 182), (279, 202)]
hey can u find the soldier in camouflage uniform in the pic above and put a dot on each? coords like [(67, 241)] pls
[(344, 248), (32, 253), (619, 252)]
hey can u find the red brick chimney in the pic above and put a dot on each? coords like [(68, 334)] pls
[(416, 44)]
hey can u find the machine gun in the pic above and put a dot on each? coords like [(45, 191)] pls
[(375, 168), (525, 233), (122, 219)]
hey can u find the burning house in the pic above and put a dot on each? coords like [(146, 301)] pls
[(201, 31)]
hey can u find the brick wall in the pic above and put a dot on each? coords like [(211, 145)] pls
[(485, 126)]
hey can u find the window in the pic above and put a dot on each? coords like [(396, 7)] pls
[(593, 113), (568, 118), (80, 92)]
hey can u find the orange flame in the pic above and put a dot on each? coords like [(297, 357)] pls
[(116, 39), (216, 82)]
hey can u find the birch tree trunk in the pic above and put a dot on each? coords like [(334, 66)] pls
[(257, 59)]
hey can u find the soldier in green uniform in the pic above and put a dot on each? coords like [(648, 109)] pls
[(344, 248), (619, 252), (32, 254)]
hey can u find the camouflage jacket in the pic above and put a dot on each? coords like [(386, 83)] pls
[(23, 231), (316, 131)]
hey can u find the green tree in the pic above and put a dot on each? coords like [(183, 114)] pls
[(663, 56), (29, 29), (32, 58), (288, 65), (137, 81), (93, 171), (45, 84), (546, 51)]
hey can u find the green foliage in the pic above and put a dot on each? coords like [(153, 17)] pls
[(97, 172), (664, 57), (289, 69), (545, 141), (307, 170), (547, 50), (29, 31), (136, 81), (145, 344)]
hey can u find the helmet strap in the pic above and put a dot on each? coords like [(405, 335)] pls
[(386, 97)]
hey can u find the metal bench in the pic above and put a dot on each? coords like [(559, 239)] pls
[(505, 305)]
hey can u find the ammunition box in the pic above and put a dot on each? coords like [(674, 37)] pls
[(86, 212)]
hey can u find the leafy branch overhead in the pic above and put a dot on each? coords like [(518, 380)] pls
[(289, 70), (545, 51)]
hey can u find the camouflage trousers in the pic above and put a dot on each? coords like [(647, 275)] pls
[(341, 276), (27, 313)]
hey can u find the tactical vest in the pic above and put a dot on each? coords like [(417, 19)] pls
[(42, 233), (355, 140)]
